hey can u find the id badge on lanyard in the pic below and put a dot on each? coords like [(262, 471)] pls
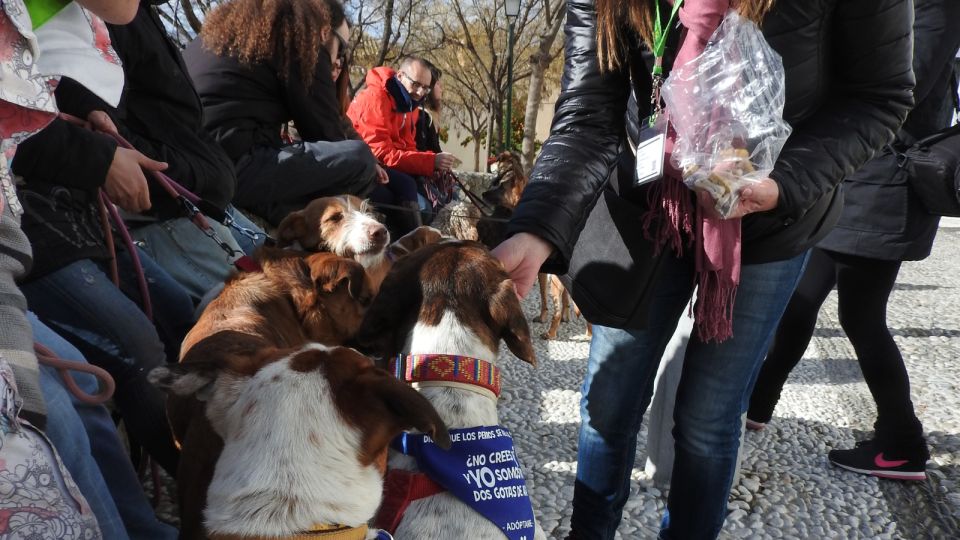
[(653, 130)]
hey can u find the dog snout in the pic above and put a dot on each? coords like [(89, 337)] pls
[(493, 196), (377, 232)]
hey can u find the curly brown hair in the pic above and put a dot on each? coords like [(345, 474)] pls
[(615, 17), (289, 32)]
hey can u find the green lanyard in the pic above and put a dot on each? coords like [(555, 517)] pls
[(659, 44), (42, 11)]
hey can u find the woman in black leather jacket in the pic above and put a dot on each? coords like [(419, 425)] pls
[(848, 88)]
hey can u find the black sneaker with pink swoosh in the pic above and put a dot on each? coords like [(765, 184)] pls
[(869, 457)]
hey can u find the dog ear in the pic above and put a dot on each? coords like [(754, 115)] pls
[(387, 320), (404, 407), (293, 227), (329, 273), (191, 379), (507, 314)]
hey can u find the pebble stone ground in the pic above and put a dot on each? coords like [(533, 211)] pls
[(787, 488)]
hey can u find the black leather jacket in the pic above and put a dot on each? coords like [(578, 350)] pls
[(849, 87)]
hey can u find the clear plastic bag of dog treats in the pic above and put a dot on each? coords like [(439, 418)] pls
[(726, 106)]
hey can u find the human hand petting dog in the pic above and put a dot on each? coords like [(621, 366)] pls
[(759, 197), (126, 184), (522, 255)]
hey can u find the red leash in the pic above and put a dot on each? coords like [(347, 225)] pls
[(64, 367)]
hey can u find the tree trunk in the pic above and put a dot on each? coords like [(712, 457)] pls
[(192, 18), (491, 129), (534, 97), (476, 153), (387, 32), (539, 63)]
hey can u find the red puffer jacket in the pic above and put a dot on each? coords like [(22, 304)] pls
[(389, 132)]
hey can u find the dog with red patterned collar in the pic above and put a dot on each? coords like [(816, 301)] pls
[(441, 315)]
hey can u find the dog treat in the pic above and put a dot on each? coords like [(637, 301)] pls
[(724, 182)]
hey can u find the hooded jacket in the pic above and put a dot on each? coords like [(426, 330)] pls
[(882, 217), (386, 118)]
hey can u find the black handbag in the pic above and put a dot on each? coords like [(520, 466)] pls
[(613, 268), (933, 167)]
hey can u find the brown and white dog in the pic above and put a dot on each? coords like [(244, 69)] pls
[(552, 292), (295, 299), (346, 226), (451, 298), (305, 433)]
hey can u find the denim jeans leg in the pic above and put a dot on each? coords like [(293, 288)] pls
[(714, 388), (188, 255), (80, 303), (172, 306), (125, 510), (66, 431), (619, 382)]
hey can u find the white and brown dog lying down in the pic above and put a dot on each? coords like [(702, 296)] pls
[(305, 432), (297, 298), (440, 316), (345, 225)]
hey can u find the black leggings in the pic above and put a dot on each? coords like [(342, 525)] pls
[(863, 287)]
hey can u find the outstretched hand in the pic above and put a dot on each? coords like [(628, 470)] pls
[(758, 197), (522, 255)]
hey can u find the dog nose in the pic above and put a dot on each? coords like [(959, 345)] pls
[(377, 233)]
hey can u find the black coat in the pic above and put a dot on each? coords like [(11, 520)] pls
[(849, 87), (246, 105), (882, 217)]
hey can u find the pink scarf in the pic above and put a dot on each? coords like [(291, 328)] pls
[(717, 241)]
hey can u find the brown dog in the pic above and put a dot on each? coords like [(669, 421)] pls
[(346, 226), (443, 312), (306, 431), (559, 298), (296, 299)]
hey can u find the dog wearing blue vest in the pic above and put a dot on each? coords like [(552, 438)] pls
[(438, 321)]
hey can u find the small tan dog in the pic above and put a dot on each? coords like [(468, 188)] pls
[(345, 225), (559, 298)]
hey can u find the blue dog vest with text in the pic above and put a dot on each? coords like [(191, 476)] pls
[(480, 469)]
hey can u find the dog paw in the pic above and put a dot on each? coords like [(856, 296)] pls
[(548, 336)]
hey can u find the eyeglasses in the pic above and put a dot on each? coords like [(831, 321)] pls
[(417, 85), (343, 52)]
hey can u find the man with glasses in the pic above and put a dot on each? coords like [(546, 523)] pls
[(385, 114)]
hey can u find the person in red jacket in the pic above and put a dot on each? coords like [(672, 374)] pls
[(385, 114)]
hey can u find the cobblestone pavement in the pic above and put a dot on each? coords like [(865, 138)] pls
[(787, 489)]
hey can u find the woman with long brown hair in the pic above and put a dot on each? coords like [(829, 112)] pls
[(259, 64), (633, 254)]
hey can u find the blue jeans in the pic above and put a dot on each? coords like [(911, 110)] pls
[(193, 259), (87, 441), (714, 384), (81, 304)]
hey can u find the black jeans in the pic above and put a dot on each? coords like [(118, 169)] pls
[(271, 182), (863, 287)]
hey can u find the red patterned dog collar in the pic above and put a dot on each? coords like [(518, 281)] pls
[(447, 367)]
